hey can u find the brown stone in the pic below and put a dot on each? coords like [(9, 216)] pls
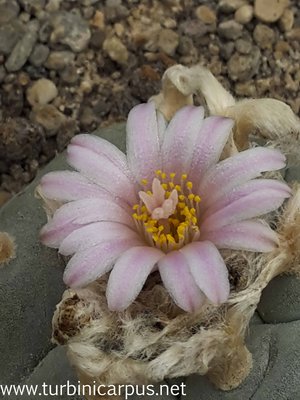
[(286, 21), (168, 41), (116, 50), (264, 36), (244, 14), (269, 10), (206, 15)]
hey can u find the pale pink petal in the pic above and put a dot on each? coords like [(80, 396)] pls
[(244, 190), (53, 238), (143, 153), (102, 171), (180, 138), (211, 140), (245, 235), (103, 148), (251, 206), (208, 269), (238, 169), (70, 185), (129, 275), (161, 126), (88, 265), (94, 234), (78, 213), (177, 279)]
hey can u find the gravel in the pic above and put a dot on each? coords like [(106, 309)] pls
[(100, 58)]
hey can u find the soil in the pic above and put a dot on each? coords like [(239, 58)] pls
[(70, 66)]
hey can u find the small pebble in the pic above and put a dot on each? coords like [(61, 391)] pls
[(243, 46), (116, 50), (9, 10), (286, 21), (58, 60), (206, 14), (70, 29), (269, 10), (244, 14), (243, 67), (230, 29), (98, 21), (39, 55), (230, 6), (49, 118), (41, 92), (264, 36), (168, 41), (21, 52)]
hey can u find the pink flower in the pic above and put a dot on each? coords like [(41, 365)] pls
[(169, 205)]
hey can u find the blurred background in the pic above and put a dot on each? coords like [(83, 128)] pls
[(70, 66)]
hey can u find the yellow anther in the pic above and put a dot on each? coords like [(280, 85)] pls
[(174, 221), (162, 238), (155, 237), (181, 229), (194, 220), (170, 238), (170, 233)]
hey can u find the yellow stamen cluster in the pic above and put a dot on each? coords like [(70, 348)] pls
[(179, 228)]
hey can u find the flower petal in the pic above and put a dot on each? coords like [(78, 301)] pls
[(208, 269), (245, 235), (161, 126), (129, 275), (88, 265), (94, 234), (104, 148), (70, 185), (238, 169), (179, 282), (251, 206), (102, 171), (244, 190), (211, 140), (180, 138), (53, 238), (143, 142), (82, 212)]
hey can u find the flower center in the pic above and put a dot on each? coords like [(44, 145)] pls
[(167, 215)]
